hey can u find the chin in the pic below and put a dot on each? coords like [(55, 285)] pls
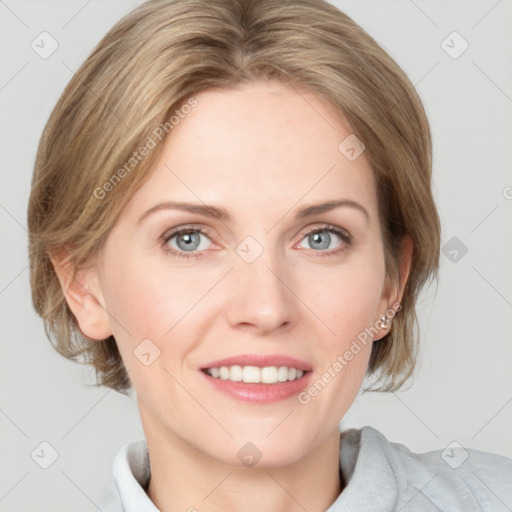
[(260, 452)]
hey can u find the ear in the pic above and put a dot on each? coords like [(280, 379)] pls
[(83, 294), (393, 291), (406, 252)]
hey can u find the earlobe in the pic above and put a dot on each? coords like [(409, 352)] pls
[(84, 297), (392, 296)]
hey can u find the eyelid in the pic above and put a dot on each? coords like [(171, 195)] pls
[(183, 229), (346, 237), (206, 231), (327, 227), (178, 230)]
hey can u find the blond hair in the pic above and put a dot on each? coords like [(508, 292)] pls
[(149, 65)]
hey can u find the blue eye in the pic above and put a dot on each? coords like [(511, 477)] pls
[(325, 239), (190, 242), (186, 240)]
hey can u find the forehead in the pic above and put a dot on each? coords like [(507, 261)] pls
[(264, 146)]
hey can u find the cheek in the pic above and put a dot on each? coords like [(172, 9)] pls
[(147, 301), (349, 306), (152, 301), (347, 297), (144, 306)]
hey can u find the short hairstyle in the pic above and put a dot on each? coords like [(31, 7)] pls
[(148, 68)]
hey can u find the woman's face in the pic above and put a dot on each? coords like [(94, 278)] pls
[(279, 264)]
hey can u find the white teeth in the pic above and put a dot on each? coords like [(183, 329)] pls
[(256, 375), (235, 373), (268, 375), (251, 374), (282, 374)]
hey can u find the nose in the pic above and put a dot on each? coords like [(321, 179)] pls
[(261, 298)]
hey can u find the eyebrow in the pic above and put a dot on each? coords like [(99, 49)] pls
[(330, 205), (222, 214)]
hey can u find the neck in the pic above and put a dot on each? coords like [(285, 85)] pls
[(186, 479)]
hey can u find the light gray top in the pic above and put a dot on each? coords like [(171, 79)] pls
[(380, 476)]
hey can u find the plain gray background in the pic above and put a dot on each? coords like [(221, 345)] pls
[(462, 391)]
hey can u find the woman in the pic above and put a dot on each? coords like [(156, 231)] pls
[(232, 214)]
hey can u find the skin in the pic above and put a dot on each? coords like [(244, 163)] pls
[(262, 152)]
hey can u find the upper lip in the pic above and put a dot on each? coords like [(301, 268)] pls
[(259, 360)]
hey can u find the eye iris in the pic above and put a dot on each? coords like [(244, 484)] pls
[(320, 240), (188, 241)]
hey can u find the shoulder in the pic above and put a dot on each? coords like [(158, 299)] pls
[(455, 478)]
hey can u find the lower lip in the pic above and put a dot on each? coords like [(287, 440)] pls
[(260, 393)]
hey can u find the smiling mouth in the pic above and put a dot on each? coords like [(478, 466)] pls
[(255, 374)]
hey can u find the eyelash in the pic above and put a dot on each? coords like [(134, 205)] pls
[(182, 231), (345, 237)]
